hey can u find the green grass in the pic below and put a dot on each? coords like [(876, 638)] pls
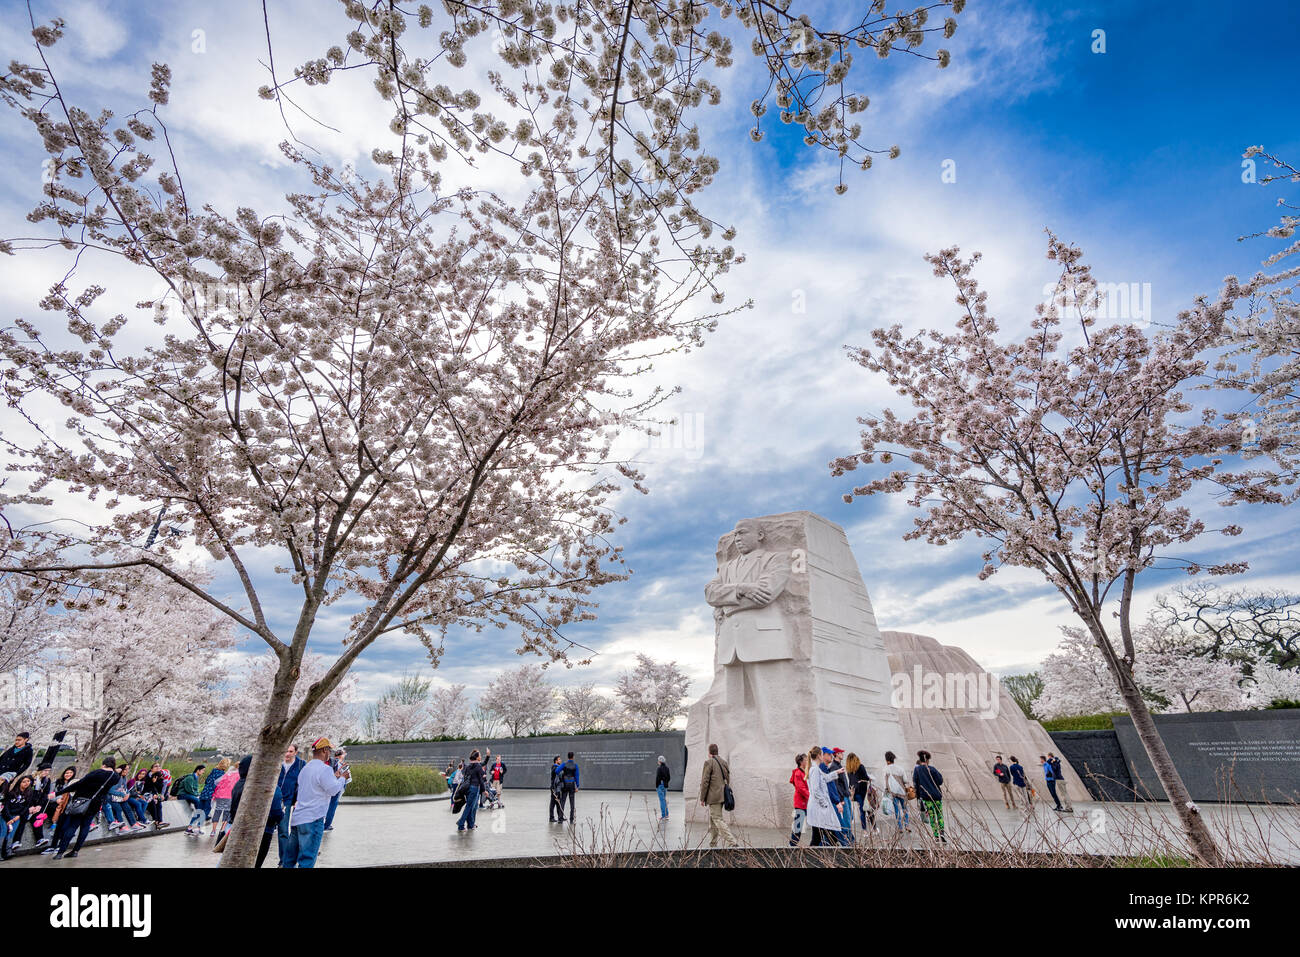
[(1082, 722), (1155, 859)]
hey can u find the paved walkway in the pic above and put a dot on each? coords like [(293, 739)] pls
[(425, 832)]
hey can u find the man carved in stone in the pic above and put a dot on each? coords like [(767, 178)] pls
[(752, 635)]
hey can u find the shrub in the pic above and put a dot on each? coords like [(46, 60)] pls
[(395, 780), (1082, 722)]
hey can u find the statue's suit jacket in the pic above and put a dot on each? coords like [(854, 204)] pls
[(747, 630)]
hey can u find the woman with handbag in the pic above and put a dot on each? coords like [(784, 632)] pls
[(87, 796), (898, 791)]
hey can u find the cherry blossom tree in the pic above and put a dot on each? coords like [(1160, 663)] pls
[(1265, 358), (1170, 666), (153, 653), (1067, 459), (448, 712), (583, 708), (521, 699), (400, 710), (653, 693), (234, 726), (1076, 679), (27, 620), (1267, 683), (401, 390)]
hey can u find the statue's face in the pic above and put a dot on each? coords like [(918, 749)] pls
[(747, 537)]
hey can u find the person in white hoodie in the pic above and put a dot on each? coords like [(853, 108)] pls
[(825, 803)]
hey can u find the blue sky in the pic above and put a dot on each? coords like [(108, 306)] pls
[(1134, 154)]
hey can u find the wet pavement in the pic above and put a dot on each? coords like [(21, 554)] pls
[(374, 834)]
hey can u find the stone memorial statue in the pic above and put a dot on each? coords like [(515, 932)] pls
[(798, 661)]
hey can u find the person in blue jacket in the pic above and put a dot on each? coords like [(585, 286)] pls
[(1049, 775), (288, 785)]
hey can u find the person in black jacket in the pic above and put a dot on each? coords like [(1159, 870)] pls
[(475, 783), (662, 777), (14, 761), (93, 786), (555, 792), (15, 811), (273, 816), (928, 783)]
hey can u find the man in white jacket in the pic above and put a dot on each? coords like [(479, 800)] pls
[(317, 784)]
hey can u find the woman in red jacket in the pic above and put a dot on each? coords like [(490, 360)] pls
[(800, 782)]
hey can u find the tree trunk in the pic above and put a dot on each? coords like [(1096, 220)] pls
[(1198, 833), (255, 799)]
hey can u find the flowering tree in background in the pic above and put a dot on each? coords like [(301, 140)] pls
[(1076, 679), (1266, 683), (484, 722), (1265, 359), (1170, 667), (583, 708), (234, 729), (653, 693), (157, 649), (521, 699), (27, 620), (400, 710), (1069, 460), (448, 712)]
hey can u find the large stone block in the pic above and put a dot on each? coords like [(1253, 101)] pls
[(957, 711)]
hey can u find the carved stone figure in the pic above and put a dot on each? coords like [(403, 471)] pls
[(799, 661)]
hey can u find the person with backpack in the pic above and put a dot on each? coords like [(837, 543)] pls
[(896, 790), (662, 777), (570, 782), (1059, 779), (715, 781), (87, 795), (187, 789), (556, 791), (929, 793), (1003, 775), (1049, 775), (799, 781)]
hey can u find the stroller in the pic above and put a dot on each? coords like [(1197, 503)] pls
[(490, 799)]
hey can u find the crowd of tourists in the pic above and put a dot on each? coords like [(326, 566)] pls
[(57, 812), (829, 783)]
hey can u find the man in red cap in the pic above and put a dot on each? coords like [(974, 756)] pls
[(317, 784)]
